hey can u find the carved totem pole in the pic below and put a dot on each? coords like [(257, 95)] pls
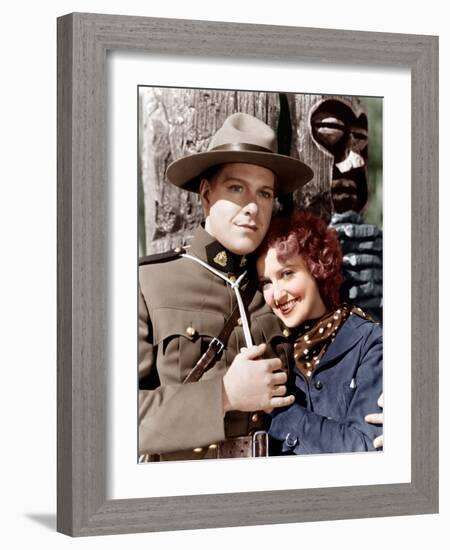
[(332, 137)]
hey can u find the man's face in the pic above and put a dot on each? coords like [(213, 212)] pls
[(238, 205)]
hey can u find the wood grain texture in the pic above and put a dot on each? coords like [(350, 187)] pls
[(176, 123), (83, 209), (425, 275), (64, 327)]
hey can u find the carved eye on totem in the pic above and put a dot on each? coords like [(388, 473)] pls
[(359, 137), (331, 131), (328, 129)]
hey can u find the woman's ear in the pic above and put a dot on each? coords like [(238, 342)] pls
[(205, 189)]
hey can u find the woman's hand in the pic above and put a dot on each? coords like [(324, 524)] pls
[(377, 418)]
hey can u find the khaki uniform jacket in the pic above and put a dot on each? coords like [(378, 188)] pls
[(182, 306)]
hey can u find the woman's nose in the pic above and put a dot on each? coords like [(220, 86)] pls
[(279, 294)]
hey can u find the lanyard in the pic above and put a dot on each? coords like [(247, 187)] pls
[(235, 286)]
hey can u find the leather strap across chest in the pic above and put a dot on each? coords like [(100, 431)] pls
[(218, 343)]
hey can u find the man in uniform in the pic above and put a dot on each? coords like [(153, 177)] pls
[(186, 298)]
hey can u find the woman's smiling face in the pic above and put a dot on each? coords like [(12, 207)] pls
[(289, 288)]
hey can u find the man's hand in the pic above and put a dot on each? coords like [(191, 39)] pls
[(252, 384), (377, 418)]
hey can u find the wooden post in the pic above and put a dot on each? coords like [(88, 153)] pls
[(175, 122)]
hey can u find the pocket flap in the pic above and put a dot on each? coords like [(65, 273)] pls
[(189, 324)]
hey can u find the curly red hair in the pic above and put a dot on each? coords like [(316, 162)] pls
[(305, 234)]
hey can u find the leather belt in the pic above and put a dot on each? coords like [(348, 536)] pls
[(255, 445)]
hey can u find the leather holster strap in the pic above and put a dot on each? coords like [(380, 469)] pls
[(217, 344), (206, 360)]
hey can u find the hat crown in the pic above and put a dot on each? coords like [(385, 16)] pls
[(241, 139), (245, 129)]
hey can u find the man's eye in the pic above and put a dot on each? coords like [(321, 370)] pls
[(266, 194), (236, 188)]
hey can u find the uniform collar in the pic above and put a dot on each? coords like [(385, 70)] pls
[(208, 249)]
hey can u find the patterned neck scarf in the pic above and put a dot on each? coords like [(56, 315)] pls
[(315, 335)]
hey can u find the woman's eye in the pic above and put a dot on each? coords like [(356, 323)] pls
[(286, 274), (266, 194), (264, 285)]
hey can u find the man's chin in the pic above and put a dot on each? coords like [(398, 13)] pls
[(242, 248)]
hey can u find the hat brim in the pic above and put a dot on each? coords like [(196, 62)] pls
[(291, 173)]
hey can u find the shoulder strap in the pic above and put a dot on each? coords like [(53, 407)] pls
[(218, 343), (162, 257)]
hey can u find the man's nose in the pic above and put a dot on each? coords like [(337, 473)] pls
[(251, 208)]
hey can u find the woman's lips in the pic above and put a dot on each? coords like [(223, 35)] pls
[(287, 307)]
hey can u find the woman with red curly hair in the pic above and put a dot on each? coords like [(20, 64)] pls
[(336, 368)]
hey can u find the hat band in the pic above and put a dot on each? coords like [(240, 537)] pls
[(241, 147)]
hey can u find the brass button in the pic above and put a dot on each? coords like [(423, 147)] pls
[(239, 322), (177, 250), (286, 332), (190, 331), (255, 417), (212, 446), (232, 279), (198, 449)]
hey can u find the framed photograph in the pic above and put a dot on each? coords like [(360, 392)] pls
[(335, 136), (104, 64)]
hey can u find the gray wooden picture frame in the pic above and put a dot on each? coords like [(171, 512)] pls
[(83, 242)]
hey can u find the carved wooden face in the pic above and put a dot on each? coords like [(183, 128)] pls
[(340, 129)]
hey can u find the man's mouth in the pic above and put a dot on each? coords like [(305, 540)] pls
[(287, 307), (249, 226)]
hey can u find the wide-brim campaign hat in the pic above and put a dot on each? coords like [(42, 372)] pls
[(241, 138)]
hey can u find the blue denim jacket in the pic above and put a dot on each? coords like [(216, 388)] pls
[(328, 413)]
